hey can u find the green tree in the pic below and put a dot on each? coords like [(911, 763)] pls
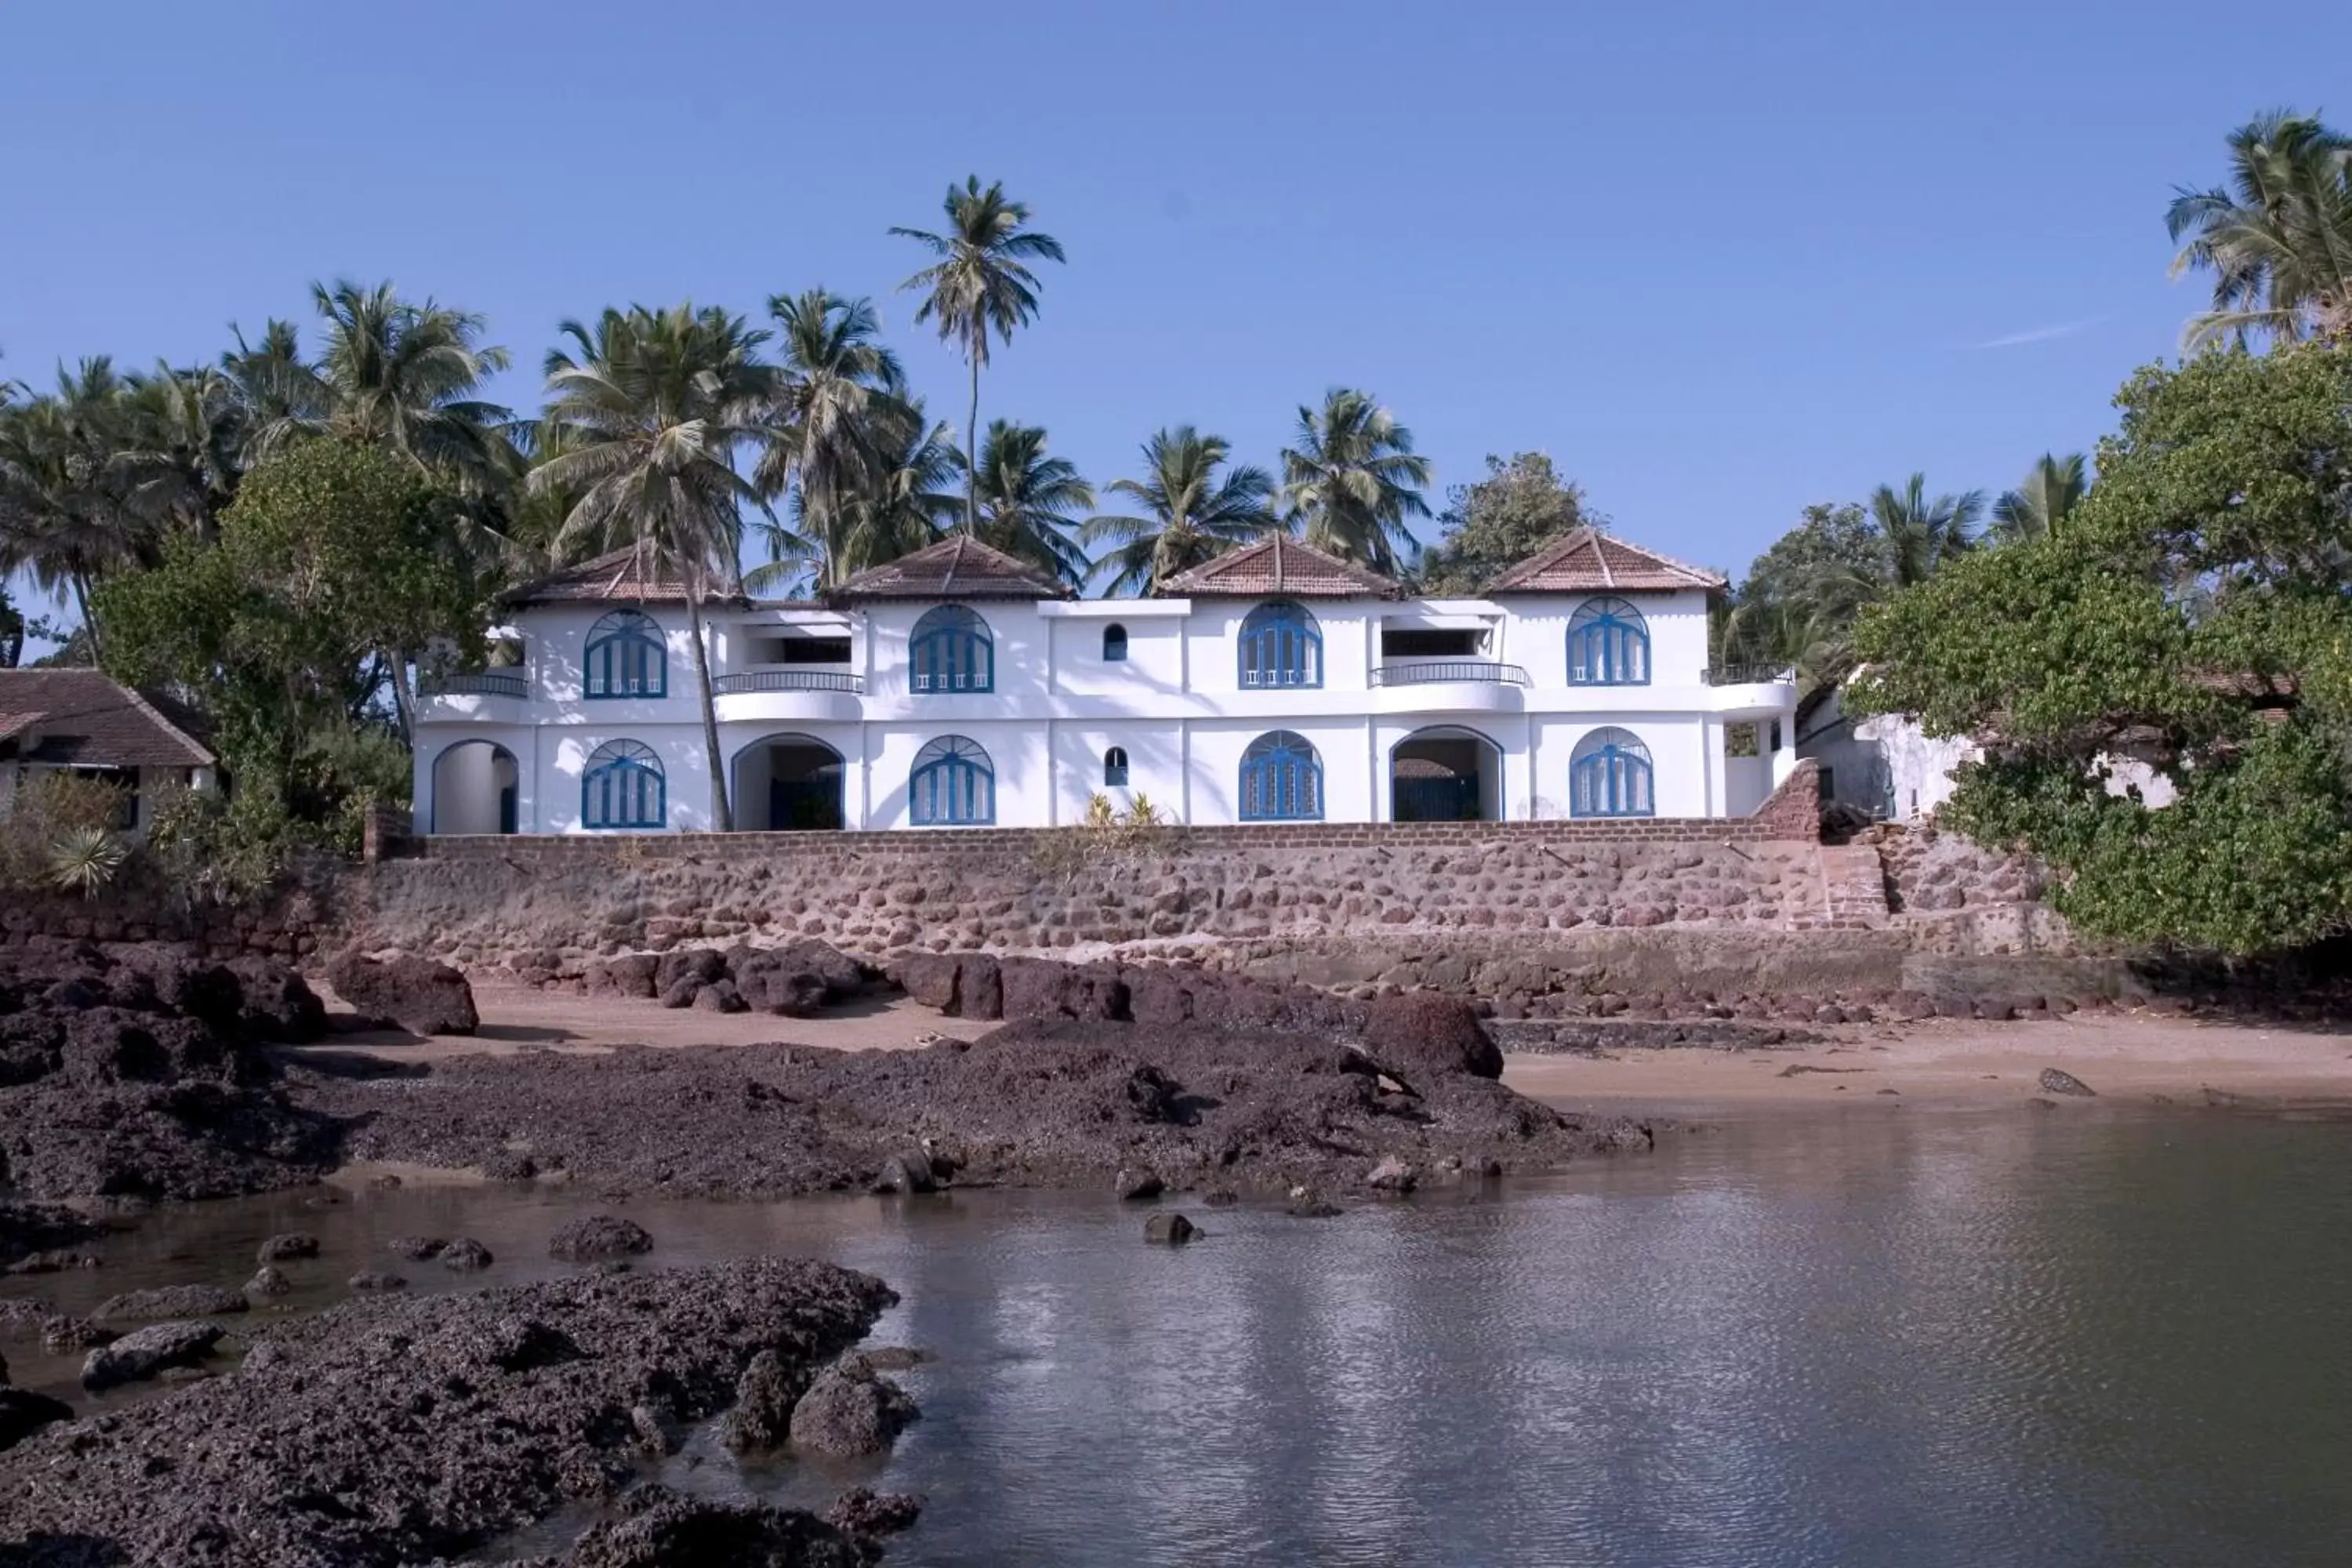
[(2277, 238), (1352, 480), (647, 412), (408, 377), (2054, 487), (899, 506), (1189, 516), (980, 285), (2191, 614), (70, 511), (840, 407), (1797, 604), (1519, 507), (11, 631), (1922, 535), (1029, 501)]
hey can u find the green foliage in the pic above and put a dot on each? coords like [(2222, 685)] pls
[(2277, 239), (215, 848), (1190, 515), (51, 806), (1519, 507), (11, 631), (2191, 614), (1028, 501), (1352, 480), (86, 860), (1104, 833)]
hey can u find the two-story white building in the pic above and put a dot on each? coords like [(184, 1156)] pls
[(959, 687)]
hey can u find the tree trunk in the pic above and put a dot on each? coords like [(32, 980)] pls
[(721, 816), (404, 706), (971, 445), (88, 622)]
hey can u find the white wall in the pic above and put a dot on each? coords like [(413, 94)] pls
[(1534, 634)]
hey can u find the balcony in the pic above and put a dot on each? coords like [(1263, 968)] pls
[(797, 695), (752, 681), (1750, 674), (483, 683), (1447, 686), (1431, 671)]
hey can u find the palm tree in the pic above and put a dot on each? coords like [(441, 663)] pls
[(2054, 487), (646, 412), (1027, 500), (70, 512), (1352, 480), (980, 284), (837, 385), (900, 505), (406, 375), (2278, 240), (185, 433), (284, 397), (1188, 517), (1921, 534)]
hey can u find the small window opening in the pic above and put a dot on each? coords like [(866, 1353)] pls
[(1114, 644), (1115, 768)]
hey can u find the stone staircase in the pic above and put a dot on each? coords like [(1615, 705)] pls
[(1853, 883)]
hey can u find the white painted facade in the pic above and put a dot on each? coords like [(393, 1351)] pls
[(510, 750)]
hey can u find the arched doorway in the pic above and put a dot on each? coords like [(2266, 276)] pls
[(790, 784), (477, 788), (1445, 775)]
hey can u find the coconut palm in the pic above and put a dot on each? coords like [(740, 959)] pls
[(285, 399), (1352, 480), (2054, 487), (2278, 239), (646, 410), (1028, 501), (1922, 534), (837, 385), (899, 505), (980, 284), (184, 434), (70, 512), (1189, 516), (406, 375)]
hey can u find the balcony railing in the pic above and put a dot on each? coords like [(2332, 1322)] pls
[(1749, 674), (482, 683), (788, 681), (1429, 672)]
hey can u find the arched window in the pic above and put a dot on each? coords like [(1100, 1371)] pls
[(953, 651), (953, 784), (1115, 768), (1281, 645), (623, 788), (1282, 780), (1609, 775), (626, 657), (1114, 644), (1607, 644)]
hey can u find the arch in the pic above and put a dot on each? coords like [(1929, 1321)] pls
[(1282, 779), (1445, 774), (1115, 768), (477, 788), (951, 650), (625, 657), (623, 787), (1607, 644), (953, 784), (1609, 774), (1281, 645), (1114, 644), (790, 783)]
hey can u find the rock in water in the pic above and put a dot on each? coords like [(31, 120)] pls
[(1392, 1175), (1138, 1186), (764, 1397), (136, 1357), (600, 1236), (371, 1280), (1424, 1033), (1172, 1229), (168, 1302), (24, 1413), (850, 1410), (908, 1172), (2056, 1081), (266, 1281), (417, 1249), (662, 1528), (465, 1254), (288, 1245), (861, 1510), (422, 994)]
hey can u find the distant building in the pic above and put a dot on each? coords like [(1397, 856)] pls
[(959, 687), (79, 721)]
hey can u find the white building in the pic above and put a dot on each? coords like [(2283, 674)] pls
[(959, 687)]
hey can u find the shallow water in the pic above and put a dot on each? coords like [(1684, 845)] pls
[(2072, 1338)]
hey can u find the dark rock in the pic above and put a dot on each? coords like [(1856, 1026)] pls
[(1138, 1186), (137, 1356), (679, 994), (1392, 1175), (2055, 1080), (1173, 1229), (509, 1165), (65, 1335), (169, 1302), (372, 1279), (24, 1413), (1221, 1197), (417, 1249), (863, 1511), (599, 1237), (465, 1254), (662, 1528), (849, 1410), (277, 1004), (1041, 988), (288, 1245), (908, 1172), (28, 1229), (1306, 1203), (979, 987), (624, 975), (762, 1418), (700, 965), (426, 996), (720, 997), (266, 1281), (1422, 1034), (929, 978), (893, 1358)]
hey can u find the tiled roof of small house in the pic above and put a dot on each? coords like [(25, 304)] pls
[(960, 567), (633, 575), (1279, 564), (80, 716), (1591, 562)]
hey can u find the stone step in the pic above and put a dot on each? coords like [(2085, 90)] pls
[(1854, 881)]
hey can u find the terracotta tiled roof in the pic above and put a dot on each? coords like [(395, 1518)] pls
[(1591, 562), (1279, 564), (80, 716), (637, 575), (960, 567)]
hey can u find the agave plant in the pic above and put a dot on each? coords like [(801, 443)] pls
[(85, 861)]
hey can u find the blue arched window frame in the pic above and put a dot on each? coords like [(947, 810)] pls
[(1114, 644), (1281, 647), (1115, 768), (626, 657), (1610, 775), (951, 650), (1607, 644), (953, 785), (623, 789), (1282, 780)]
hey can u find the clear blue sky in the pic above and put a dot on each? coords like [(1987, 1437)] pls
[(1720, 260)]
